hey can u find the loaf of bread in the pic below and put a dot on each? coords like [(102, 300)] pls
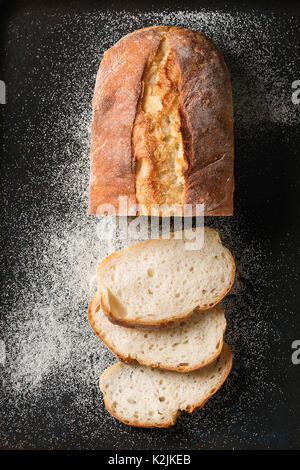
[(181, 346), (162, 130), (159, 280), (140, 396)]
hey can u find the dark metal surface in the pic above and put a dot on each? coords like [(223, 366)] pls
[(46, 55)]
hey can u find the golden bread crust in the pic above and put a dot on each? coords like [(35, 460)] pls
[(117, 90), (135, 152), (207, 121)]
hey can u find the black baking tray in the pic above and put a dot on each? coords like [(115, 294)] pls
[(50, 360)]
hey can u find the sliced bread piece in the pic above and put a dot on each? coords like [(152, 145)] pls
[(145, 397), (159, 280), (181, 346)]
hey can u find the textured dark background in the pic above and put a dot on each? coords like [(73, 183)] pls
[(43, 68)]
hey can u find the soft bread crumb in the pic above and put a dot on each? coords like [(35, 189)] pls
[(181, 346), (140, 396), (158, 281)]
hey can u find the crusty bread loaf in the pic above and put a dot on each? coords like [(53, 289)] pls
[(157, 281), (140, 396), (162, 130), (181, 346)]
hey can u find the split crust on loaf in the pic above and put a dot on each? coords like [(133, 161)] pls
[(162, 130), (136, 334), (145, 321), (157, 138), (225, 356)]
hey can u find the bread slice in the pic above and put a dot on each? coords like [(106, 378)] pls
[(145, 397), (158, 281), (181, 346)]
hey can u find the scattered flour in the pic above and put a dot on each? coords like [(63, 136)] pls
[(45, 298)]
